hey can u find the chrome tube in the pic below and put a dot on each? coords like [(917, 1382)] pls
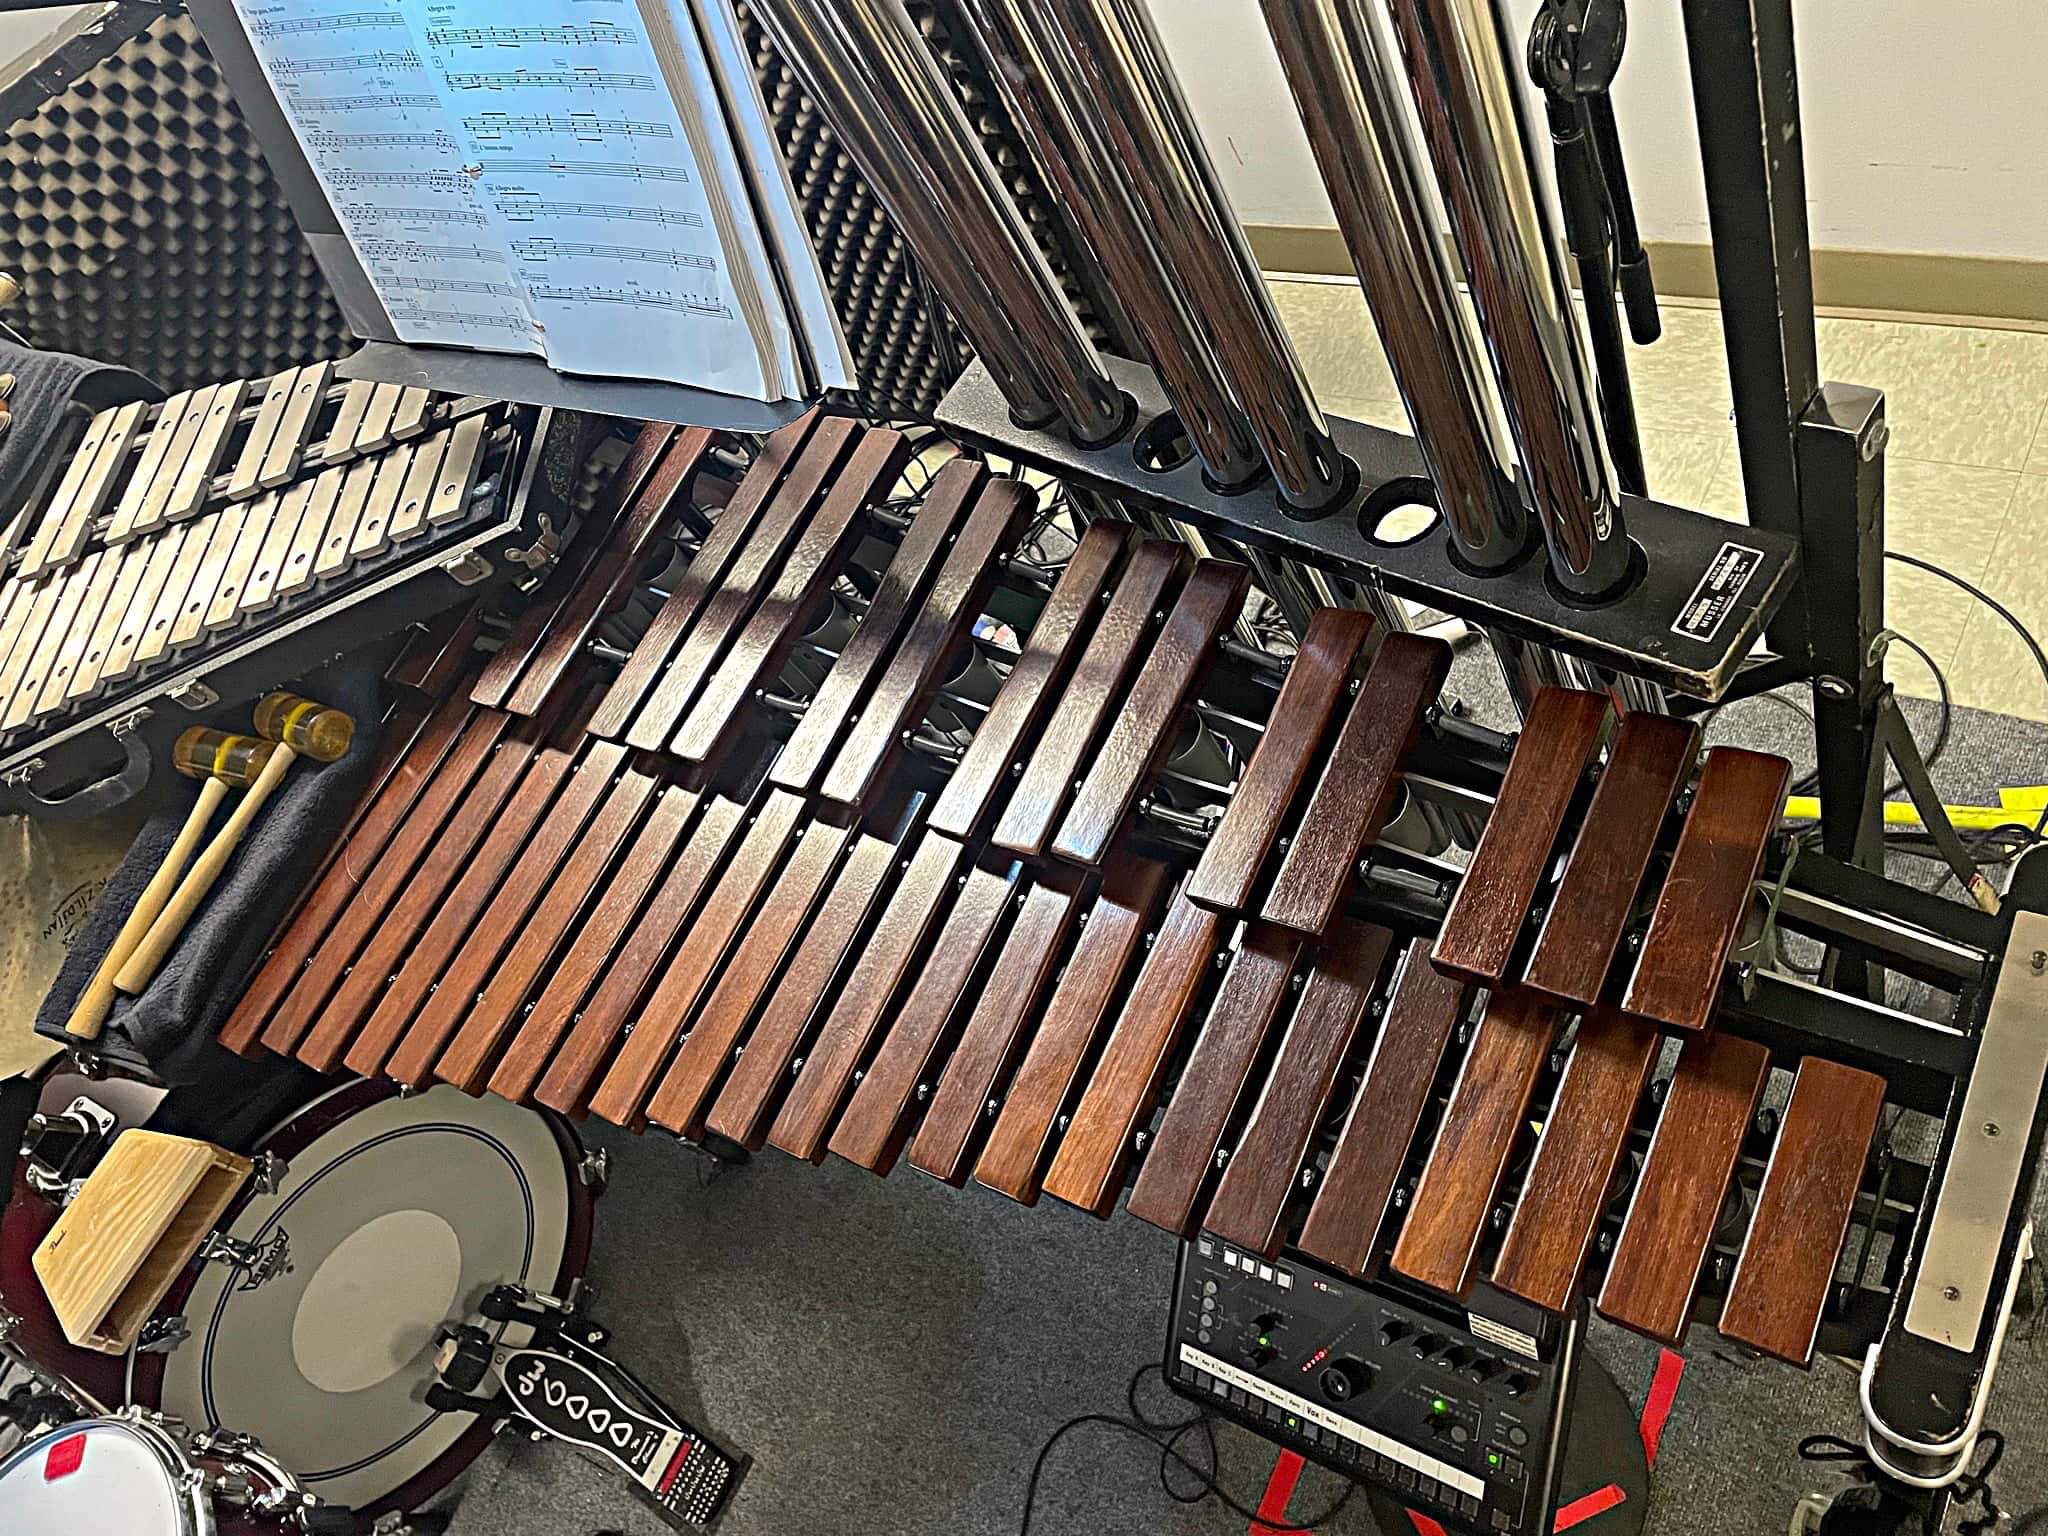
[(1037, 79), (1455, 55), (879, 87), (1373, 171), (1124, 77)]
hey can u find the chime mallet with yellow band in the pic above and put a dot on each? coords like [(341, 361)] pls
[(299, 728), (220, 762)]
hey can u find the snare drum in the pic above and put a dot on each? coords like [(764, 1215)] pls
[(126, 1475)]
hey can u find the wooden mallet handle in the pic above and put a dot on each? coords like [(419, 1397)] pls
[(170, 923), (97, 1000)]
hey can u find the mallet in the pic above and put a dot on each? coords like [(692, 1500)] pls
[(299, 727), (220, 762)]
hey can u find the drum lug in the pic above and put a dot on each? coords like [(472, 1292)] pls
[(595, 1170), (161, 1335), (267, 1173), (259, 1264)]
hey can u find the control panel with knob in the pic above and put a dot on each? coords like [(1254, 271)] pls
[(1453, 1413)]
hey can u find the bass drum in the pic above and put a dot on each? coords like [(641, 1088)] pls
[(394, 1215)]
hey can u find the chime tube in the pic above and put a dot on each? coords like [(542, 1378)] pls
[(1454, 54), (1127, 85), (1038, 82), (871, 74), (1374, 172)]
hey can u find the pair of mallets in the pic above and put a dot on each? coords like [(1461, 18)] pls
[(287, 728)]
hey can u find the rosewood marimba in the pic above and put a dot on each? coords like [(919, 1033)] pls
[(681, 896)]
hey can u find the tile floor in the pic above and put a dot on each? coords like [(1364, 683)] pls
[(1967, 470)]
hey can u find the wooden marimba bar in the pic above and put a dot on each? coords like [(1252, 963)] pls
[(660, 899), (180, 529)]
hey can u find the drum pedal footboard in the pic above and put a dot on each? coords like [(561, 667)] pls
[(561, 1387)]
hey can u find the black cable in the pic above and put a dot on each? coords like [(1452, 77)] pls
[(1150, 1430), (2012, 622)]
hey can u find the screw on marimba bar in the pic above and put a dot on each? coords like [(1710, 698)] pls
[(1951, 1293), (1222, 1156), (1064, 1122), (1308, 1178), (1138, 1140), (924, 1092), (991, 1108), (796, 1066), (2040, 961), (1498, 1217)]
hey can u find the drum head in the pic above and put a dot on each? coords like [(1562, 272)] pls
[(100, 1475), (392, 1220)]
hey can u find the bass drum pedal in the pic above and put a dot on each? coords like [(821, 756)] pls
[(560, 1386)]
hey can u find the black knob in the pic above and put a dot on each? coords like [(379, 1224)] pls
[(1454, 1357), (1426, 1345), (1483, 1368), (1519, 1383), (1393, 1331), (1346, 1379)]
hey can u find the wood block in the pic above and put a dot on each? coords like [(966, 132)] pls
[(821, 552), (988, 1046), (612, 574), (1143, 731), (707, 568), (1584, 1136), (550, 634), (445, 853), (1706, 893), (1360, 782), (562, 1049), (383, 809), (1439, 1242), (1652, 756), (1679, 1193), (1180, 1165), (1028, 692), (130, 1232), (889, 960), (1802, 1211), (701, 1059), (1486, 916), (613, 957), (1264, 1172), (876, 1124), (1351, 1202), (527, 924), (624, 1090), (1266, 790), (747, 574), (934, 635), (753, 1090), (380, 882), (1020, 1147), (896, 601), (1084, 710), (401, 987), (1088, 1170)]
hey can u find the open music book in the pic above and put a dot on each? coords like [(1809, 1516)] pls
[(591, 182)]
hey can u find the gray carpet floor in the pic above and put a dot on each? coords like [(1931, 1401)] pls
[(893, 1353)]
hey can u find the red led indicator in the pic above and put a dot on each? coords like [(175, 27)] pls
[(1315, 1360)]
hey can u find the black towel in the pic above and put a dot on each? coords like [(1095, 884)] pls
[(175, 1020), (45, 383)]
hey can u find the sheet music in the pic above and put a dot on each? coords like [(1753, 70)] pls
[(516, 175), (369, 113)]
